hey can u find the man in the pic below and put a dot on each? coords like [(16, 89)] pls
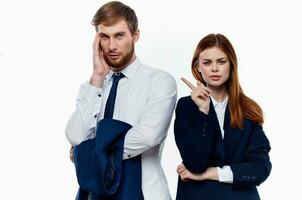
[(145, 97)]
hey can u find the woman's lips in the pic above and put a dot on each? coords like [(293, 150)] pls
[(215, 77)]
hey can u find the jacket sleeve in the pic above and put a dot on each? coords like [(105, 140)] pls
[(194, 135), (257, 166)]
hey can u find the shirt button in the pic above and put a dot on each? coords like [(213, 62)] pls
[(129, 156), (95, 116), (99, 95)]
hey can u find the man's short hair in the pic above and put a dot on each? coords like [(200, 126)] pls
[(114, 11)]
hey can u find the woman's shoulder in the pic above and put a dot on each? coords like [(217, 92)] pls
[(186, 101), (252, 126), (186, 106)]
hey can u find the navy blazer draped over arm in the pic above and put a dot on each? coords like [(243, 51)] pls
[(100, 167)]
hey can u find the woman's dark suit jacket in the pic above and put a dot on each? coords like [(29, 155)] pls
[(198, 138)]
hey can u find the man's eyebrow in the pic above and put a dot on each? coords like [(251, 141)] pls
[(102, 34), (117, 33), (120, 33)]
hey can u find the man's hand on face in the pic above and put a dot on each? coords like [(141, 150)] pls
[(100, 67)]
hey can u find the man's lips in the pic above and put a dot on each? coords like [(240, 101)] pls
[(113, 55)]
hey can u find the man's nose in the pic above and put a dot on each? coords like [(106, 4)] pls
[(112, 45)]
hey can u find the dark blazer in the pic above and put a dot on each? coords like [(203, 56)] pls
[(198, 138), (100, 167)]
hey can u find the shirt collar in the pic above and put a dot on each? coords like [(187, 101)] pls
[(222, 104), (128, 71)]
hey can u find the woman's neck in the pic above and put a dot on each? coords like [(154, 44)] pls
[(218, 93)]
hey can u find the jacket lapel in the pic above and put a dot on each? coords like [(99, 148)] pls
[(219, 147), (232, 136)]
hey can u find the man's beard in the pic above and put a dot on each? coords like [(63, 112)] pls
[(117, 65)]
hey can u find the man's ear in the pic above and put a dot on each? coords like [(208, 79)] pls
[(136, 35)]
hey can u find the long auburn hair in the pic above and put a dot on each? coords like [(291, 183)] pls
[(240, 106)]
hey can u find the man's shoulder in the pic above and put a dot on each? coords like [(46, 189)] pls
[(154, 73)]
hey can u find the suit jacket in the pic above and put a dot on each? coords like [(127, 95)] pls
[(198, 138), (99, 166)]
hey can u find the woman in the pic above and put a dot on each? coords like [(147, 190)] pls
[(218, 130)]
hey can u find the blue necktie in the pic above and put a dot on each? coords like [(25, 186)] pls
[(109, 109), (134, 163), (108, 114)]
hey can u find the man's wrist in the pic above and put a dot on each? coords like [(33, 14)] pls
[(97, 80)]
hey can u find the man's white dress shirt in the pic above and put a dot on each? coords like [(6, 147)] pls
[(146, 99)]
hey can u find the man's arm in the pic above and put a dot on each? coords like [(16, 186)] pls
[(81, 125), (155, 119)]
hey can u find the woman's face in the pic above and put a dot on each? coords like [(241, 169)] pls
[(214, 66)]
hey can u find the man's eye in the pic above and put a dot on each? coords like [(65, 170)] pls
[(119, 36), (104, 37)]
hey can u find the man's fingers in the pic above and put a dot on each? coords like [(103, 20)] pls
[(188, 83), (71, 156), (96, 42)]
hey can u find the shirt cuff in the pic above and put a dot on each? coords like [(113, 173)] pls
[(225, 174), (89, 91), (89, 103)]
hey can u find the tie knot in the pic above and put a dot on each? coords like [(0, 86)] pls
[(117, 76)]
